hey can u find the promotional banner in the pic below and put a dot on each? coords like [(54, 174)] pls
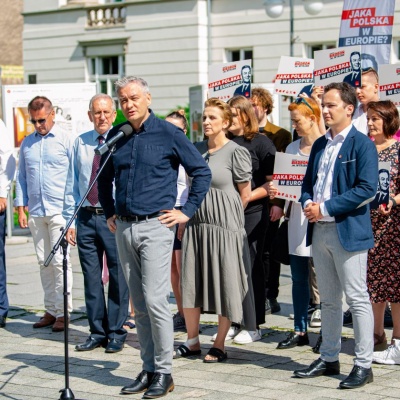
[(70, 102), (295, 75), (368, 23), (289, 171), (196, 103), (389, 83), (230, 79), (338, 65)]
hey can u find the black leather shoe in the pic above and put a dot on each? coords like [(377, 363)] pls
[(91, 344), (358, 377), (2, 321), (140, 384), (160, 386), (293, 340), (114, 346), (317, 368)]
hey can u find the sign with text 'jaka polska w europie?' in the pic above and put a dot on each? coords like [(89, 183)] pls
[(369, 24), (338, 65), (230, 79), (289, 171), (294, 76), (389, 83)]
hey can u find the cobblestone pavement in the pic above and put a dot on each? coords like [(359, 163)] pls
[(32, 361)]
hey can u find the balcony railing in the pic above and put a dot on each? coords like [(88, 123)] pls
[(106, 16)]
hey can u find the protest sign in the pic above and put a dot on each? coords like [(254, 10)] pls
[(389, 83), (368, 23), (230, 79), (288, 175), (295, 75), (338, 65), (382, 193)]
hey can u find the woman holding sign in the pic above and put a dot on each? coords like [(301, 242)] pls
[(305, 114), (383, 260)]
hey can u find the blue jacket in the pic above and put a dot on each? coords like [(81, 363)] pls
[(355, 179)]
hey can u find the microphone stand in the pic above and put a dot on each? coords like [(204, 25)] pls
[(66, 393)]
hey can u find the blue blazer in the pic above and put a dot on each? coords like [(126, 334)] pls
[(355, 179)]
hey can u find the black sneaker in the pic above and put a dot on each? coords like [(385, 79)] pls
[(347, 318), (179, 322), (275, 306), (315, 349)]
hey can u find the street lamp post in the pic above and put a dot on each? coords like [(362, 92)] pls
[(274, 9)]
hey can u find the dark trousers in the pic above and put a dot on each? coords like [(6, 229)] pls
[(271, 267), (3, 277), (93, 239), (256, 224)]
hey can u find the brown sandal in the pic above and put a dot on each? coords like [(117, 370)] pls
[(380, 342)]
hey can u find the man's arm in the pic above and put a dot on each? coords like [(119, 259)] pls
[(105, 187), (21, 189)]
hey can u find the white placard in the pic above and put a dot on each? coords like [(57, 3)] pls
[(389, 83), (295, 75)]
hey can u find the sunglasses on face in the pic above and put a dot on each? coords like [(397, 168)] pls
[(300, 100), (40, 121)]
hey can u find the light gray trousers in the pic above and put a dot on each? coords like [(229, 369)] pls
[(145, 250), (341, 271)]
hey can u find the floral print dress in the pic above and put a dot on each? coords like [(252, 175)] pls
[(383, 275)]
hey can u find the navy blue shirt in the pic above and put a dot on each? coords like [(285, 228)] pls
[(145, 169)]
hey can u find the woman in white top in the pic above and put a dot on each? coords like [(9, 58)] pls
[(305, 115), (178, 118)]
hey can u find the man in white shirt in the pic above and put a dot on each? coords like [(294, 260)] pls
[(367, 92), (341, 179), (7, 170)]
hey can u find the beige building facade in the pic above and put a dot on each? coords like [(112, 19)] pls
[(170, 43)]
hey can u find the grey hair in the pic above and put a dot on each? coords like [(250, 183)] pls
[(126, 80), (101, 96)]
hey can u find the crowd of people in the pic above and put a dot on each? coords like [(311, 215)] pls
[(202, 217)]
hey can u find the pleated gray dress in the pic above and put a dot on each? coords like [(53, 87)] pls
[(216, 266)]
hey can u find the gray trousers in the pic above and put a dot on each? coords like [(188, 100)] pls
[(341, 271), (145, 250)]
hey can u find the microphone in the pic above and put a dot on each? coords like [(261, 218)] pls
[(125, 130)]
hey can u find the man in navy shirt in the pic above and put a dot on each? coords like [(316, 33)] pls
[(144, 168)]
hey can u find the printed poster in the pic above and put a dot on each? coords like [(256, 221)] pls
[(70, 102), (389, 83), (289, 171), (368, 23), (382, 193), (230, 79), (338, 65), (294, 76)]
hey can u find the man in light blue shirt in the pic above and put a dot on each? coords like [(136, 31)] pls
[(42, 174), (106, 319)]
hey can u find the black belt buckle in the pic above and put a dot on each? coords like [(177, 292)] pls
[(95, 210)]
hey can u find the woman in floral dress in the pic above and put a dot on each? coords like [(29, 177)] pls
[(383, 276)]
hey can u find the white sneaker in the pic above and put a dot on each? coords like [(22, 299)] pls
[(315, 321), (245, 337), (233, 331), (390, 356)]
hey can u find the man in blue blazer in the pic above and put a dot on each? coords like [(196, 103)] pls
[(341, 179)]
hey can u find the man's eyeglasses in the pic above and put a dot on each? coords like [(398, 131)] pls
[(300, 100), (98, 114), (40, 121)]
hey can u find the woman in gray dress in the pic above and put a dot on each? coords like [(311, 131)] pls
[(216, 260)]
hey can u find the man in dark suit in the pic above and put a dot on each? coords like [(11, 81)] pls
[(106, 319), (245, 88), (354, 78), (340, 181)]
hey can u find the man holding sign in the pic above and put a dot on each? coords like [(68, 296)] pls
[(341, 179)]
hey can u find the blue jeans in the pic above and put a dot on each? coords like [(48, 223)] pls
[(300, 291), (3, 279)]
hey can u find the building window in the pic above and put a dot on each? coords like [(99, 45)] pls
[(105, 71), (239, 54), (311, 48)]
